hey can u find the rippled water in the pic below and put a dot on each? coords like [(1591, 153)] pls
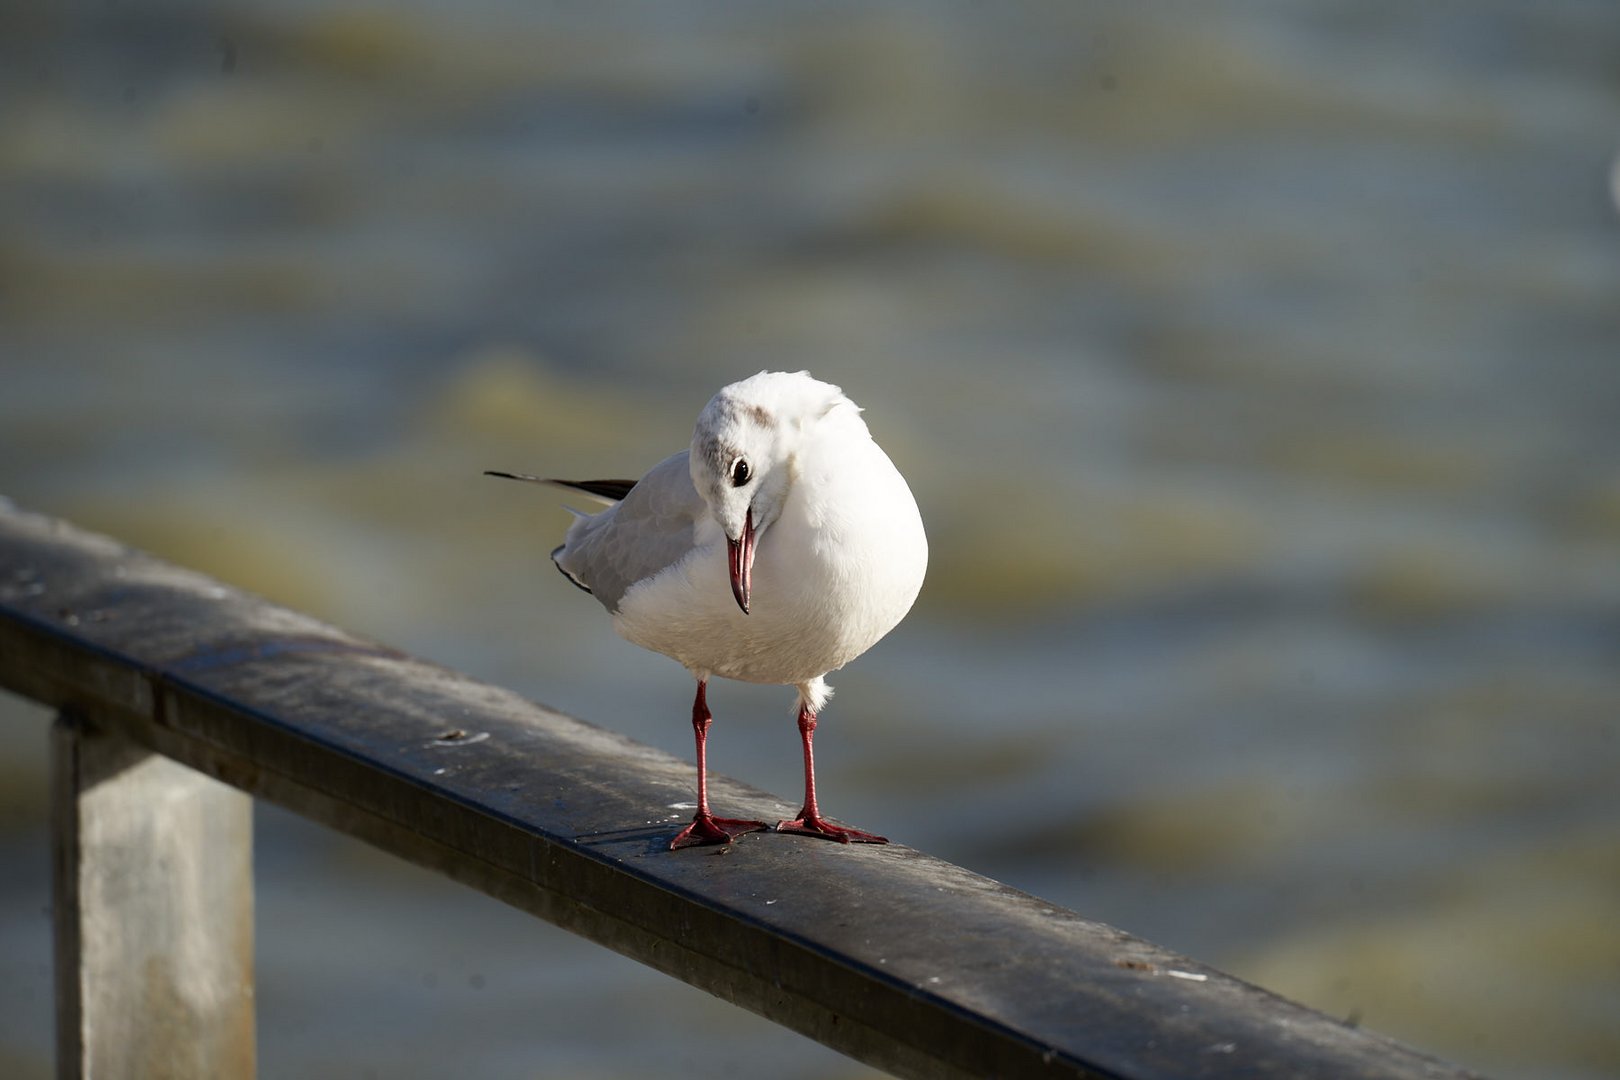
[(1255, 369)]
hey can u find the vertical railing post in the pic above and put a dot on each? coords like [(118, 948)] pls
[(153, 880)]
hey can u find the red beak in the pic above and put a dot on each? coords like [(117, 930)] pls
[(742, 562)]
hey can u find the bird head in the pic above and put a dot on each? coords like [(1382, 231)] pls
[(745, 457)]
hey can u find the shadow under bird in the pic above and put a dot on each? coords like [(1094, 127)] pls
[(780, 546)]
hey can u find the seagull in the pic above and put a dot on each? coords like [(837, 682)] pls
[(779, 547)]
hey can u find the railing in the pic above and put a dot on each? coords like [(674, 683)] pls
[(180, 699)]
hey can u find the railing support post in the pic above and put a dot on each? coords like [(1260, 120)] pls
[(153, 908)]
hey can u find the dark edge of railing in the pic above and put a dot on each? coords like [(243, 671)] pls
[(902, 960)]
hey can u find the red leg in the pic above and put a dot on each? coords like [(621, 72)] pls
[(810, 822), (705, 827)]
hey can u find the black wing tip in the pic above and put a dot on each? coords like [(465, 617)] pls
[(572, 580), (605, 489), (614, 490)]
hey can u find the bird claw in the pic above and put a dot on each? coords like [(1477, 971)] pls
[(708, 829), (814, 825)]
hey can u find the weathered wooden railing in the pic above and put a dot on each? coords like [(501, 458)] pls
[(181, 698)]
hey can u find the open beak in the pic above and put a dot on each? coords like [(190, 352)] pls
[(742, 562)]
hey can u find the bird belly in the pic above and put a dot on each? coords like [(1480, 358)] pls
[(810, 614)]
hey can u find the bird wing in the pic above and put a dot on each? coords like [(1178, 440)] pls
[(653, 527)]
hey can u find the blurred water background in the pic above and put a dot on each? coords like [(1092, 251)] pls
[(1254, 364)]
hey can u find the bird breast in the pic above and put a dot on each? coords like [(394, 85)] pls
[(832, 575)]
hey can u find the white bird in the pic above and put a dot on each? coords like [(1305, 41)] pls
[(782, 545)]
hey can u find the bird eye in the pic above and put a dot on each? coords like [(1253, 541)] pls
[(740, 473)]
